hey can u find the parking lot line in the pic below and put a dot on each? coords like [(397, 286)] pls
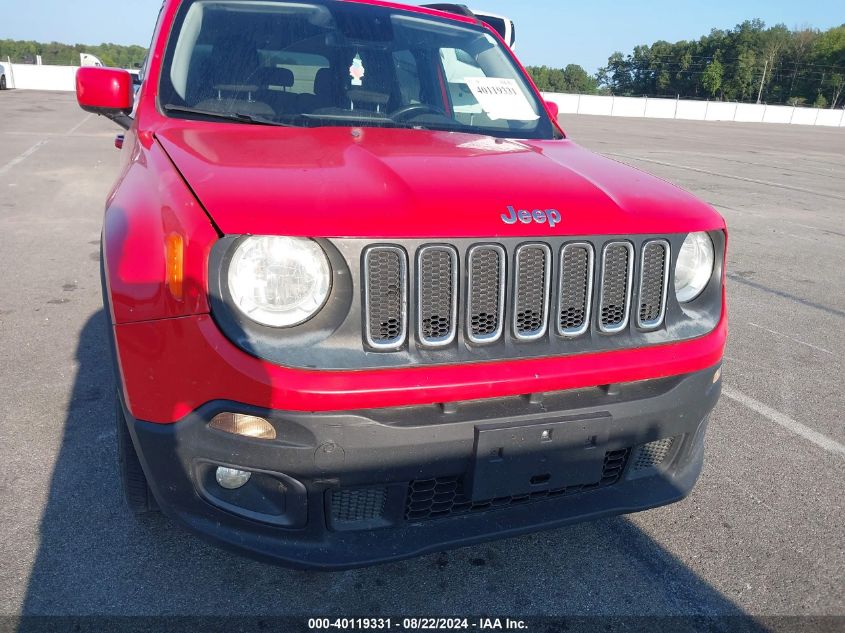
[(794, 340), (785, 421), (78, 125), (21, 157), (730, 176)]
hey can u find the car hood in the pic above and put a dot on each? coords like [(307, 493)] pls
[(389, 183)]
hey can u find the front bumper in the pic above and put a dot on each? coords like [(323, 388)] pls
[(347, 489)]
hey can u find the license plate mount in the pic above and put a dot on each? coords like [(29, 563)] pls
[(514, 459)]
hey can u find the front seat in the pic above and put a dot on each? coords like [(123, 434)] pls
[(325, 95), (274, 89), (235, 73)]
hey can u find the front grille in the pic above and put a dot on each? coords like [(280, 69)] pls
[(437, 268), (386, 297), (446, 496), (353, 505), (617, 271), (576, 289), (654, 278), (652, 454), (486, 294), (531, 291)]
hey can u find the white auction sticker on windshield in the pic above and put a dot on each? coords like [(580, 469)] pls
[(501, 98)]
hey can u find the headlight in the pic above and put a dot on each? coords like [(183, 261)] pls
[(279, 281), (694, 267)]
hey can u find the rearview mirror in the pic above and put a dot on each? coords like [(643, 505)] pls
[(554, 109), (106, 91)]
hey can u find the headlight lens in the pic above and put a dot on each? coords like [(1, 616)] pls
[(279, 281), (694, 267)]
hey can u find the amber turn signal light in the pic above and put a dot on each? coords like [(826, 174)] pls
[(174, 253), (246, 425)]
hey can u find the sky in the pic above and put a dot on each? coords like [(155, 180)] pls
[(550, 32)]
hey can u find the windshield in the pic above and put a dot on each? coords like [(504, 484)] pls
[(330, 63)]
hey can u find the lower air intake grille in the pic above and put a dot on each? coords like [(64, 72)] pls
[(652, 454), (438, 298), (653, 280), (617, 268), (445, 496), (385, 284), (358, 505)]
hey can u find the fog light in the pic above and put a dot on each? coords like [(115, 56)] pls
[(246, 425), (231, 478)]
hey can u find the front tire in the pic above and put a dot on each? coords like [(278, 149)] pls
[(136, 490), (3, 82)]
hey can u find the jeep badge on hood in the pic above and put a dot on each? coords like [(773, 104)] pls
[(552, 216)]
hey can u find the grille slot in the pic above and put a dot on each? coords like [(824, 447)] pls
[(654, 279), (575, 294), (386, 297), (617, 273), (652, 454), (486, 293), (531, 291), (437, 302), (358, 505), (445, 496)]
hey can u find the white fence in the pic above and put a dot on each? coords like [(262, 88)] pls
[(32, 77), (643, 107)]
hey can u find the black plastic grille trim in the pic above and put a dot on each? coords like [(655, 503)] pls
[(487, 264), (437, 299), (575, 292), (533, 276), (617, 273), (386, 297), (654, 281), (446, 496), (356, 505), (653, 454)]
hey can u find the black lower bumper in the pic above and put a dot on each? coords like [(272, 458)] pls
[(349, 489)]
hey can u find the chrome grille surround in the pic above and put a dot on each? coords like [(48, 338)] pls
[(575, 308), (654, 284), (392, 315), (529, 291), (437, 311), (612, 298), (485, 311)]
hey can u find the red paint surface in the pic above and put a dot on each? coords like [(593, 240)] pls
[(172, 367), (429, 184), (104, 89)]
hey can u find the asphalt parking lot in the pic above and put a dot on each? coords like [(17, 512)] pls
[(762, 534)]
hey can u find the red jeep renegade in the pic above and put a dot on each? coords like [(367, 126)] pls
[(368, 301)]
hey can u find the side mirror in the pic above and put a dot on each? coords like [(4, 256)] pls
[(106, 91), (554, 110)]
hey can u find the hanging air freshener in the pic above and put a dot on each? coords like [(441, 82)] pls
[(356, 71)]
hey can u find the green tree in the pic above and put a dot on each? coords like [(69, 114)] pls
[(711, 78)]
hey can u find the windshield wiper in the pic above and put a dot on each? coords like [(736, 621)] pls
[(238, 117)]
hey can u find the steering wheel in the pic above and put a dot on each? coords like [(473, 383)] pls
[(412, 110)]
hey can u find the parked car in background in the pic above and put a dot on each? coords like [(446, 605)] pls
[(367, 300), (3, 81)]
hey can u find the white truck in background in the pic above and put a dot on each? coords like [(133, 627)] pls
[(503, 25)]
